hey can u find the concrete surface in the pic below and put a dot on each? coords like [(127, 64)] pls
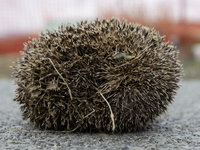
[(179, 128)]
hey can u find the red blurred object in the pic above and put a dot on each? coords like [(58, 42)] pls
[(13, 44), (187, 34)]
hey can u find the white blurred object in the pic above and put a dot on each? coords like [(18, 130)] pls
[(32, 16), (196, 51)]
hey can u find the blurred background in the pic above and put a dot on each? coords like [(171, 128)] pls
[(179, 20)]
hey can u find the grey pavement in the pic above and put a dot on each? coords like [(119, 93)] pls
[(178, 129)]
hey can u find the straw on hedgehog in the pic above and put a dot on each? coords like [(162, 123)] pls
[(104, 75)]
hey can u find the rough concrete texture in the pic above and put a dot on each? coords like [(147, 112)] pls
[(179, 128)]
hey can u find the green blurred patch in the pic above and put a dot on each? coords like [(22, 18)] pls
[(5, 62), (191, 69)]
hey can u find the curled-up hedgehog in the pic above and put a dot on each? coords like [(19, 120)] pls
[(104, 75)]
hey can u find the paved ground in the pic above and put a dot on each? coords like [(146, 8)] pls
[(179, 128)]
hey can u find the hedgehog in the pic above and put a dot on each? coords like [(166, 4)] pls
[(100, 76)]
